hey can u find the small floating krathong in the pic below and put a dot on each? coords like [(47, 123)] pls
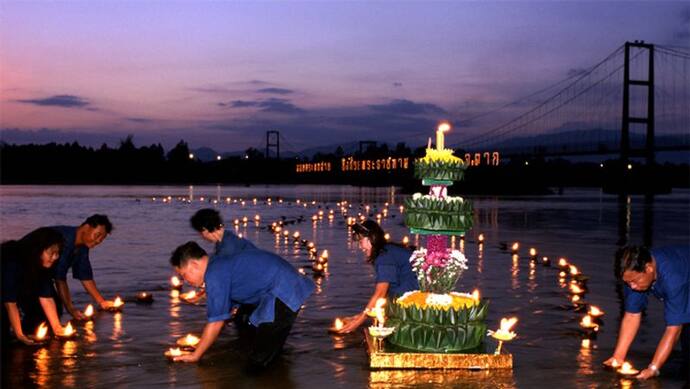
[(41, 333), (190, 340), (88, 312), (627, 370), (69, 331), (504, 334), (118, 304), (175, 352)]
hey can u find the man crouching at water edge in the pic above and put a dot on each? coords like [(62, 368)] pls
[(209, 224), (249, 277), (75, 255), (665, 273)]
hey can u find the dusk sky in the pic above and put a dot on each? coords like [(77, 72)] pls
[(220, 74)]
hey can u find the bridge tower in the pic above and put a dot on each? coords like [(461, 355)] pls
[(626, 118), (275, 144)]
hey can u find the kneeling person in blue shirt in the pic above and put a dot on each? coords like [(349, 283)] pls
[(250, 277), (665, 273)]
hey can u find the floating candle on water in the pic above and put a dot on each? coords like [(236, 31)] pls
[(387, 236), (504, 333), (533, 252), (144, 297), (41, 332), (88, 312), (173, 352), (545, 261), (627, 369), (175, 282), (562, 263), (189, 295), (324, 254), (594, 311), (480, 238), (573, 270), (575, 289), (588, 324), (68, 331), (190, 340), (586, 343), (515, 247), (338, 325), (118, 303)]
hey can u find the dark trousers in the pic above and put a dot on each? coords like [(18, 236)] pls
[(270, 337), (685, 347)]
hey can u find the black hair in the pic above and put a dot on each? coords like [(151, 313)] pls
[(185, 252), (28, 250), (370, 229), (206, 219), (96, 220), (632, 258)]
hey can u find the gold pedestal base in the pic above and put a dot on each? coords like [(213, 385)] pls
[(380, 359)]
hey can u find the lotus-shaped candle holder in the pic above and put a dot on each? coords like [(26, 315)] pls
[(379, 333), (188, 342), (504, 334)]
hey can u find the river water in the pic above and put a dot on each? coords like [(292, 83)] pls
[(126, 349)]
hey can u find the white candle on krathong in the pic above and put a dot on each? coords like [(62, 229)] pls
[(429, 144), (443, 127)]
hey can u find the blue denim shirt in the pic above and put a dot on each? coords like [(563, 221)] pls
[(253, 277), (73, 257), (232, 244), (672, 285), (393, 266)]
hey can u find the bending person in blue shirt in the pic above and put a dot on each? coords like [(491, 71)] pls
[(75, 255), (209, 224), (250, 277), (665, 273), (27, 292), (394, 275)]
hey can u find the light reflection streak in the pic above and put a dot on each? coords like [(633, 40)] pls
[(514, 272), (69, 361)]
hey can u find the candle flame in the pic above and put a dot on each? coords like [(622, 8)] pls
[(324, 254), (175, 352), (118, 302), (587, 322), (189, 295), (338, 325), (507, 324), (533, 252), (42, 331), (627, 369), (191, 339), (88, 312), (586, 343), (595, 311), (576, 289), (562, 262), (516, 246), (69, 331), (175, 281), (475, 295), (480, 238), (573, 270), (444, 127)]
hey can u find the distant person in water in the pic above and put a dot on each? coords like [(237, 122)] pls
[(665, 273), (75, 255), (252, 277), (394, 275), (209, 224), (27, 286)]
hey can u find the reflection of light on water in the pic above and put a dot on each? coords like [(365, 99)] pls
[(318, 281), (89, 334), (69, 349), (532, 283), (499, 378), (117, 326), (626, 383), (584, 358), (42, 360), (514, 272), (480, 259)]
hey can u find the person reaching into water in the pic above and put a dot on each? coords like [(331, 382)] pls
[(75, 255), (253, 277), (27, 292), (394, 275)]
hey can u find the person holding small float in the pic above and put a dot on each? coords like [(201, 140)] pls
[(665, 273), (253, 277), (394, 275), (27, 292), (75, 255)]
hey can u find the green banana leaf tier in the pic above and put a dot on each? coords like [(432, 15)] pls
[(437, 172), (437, 330), (430, 215)]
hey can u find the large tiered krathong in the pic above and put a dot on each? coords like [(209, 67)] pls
[(436, 319)]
